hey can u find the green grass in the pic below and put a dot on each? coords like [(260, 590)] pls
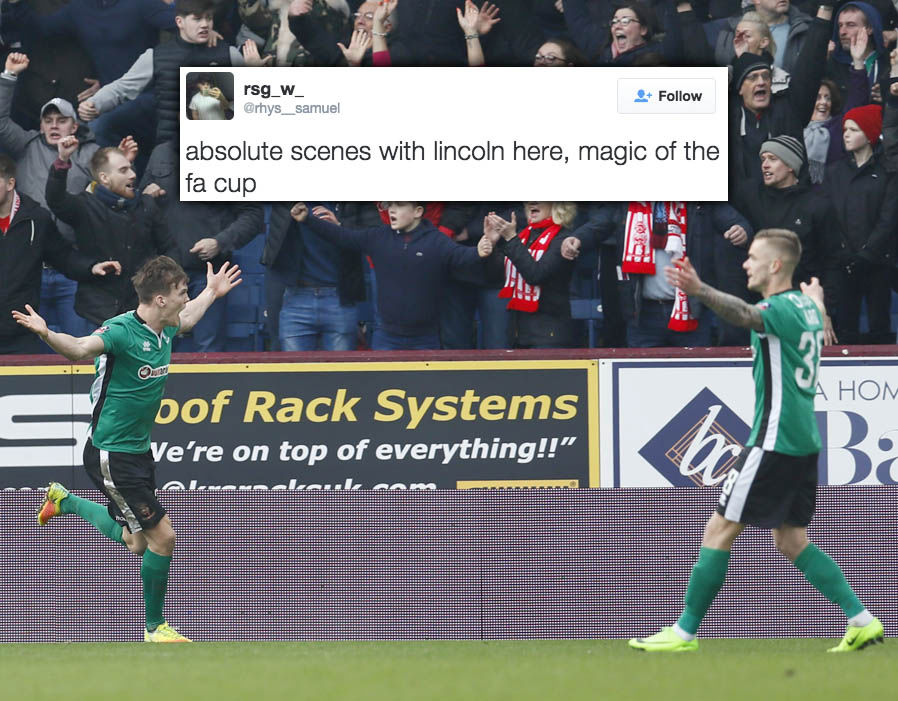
[(520, 670)]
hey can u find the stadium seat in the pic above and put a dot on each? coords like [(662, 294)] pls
[(248, 257), (245, 315), (589, 310)]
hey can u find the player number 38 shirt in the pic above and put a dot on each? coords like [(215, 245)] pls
[(786, 362)]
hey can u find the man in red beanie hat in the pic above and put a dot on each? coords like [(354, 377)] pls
[(864, 196)]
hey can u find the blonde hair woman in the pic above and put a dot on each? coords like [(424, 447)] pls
[(752, 35), (537, 276)]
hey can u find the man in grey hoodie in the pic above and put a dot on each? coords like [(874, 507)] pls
[(34, 151)]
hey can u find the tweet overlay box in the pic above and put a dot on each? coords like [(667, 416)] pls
[(448, 134)]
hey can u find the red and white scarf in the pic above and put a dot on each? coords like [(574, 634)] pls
[(522, 295), (639, 252), (16, 203)]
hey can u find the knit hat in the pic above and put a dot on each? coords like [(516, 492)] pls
[(66, 110), (869, 119), (788, 149), (745, 64)]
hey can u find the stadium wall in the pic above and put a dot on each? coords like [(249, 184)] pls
[(480, 564), (293, 564)]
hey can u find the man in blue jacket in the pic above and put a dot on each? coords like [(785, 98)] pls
[(413, 260)]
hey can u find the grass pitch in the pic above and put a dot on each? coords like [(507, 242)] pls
[(519, 670)]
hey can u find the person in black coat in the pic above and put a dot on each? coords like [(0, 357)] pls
[(29, 239), (787, 201), (864, 197), (537, 276), (204, 232), (111, 221), (756, 113)]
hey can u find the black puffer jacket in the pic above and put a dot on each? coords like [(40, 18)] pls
[(128, 235), (31, 240), (807, 213), (865, 201)]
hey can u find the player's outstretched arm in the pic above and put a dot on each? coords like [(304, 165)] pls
[(69, 346), (728, 307), (217, 286), (814, 290)]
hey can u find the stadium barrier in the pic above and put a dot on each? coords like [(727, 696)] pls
[(285, 563), (477, 564)]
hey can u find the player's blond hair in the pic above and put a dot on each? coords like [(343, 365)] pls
[(786, 244)]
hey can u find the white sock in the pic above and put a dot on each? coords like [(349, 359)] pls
[(862, 619), (682, 633)]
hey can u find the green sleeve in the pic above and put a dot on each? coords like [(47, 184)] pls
[(115, 337), (778, 314)]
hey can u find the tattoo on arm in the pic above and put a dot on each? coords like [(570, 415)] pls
[(731, 309)]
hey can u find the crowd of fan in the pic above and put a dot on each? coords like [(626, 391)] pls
[(89, 112)]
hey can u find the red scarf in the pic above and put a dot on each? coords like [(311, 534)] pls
[(7, 221), (639, 252), (523, 296)]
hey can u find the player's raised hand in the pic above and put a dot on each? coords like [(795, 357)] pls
[(16, 62), (814, 290), (225, 280), (829, 333), (66, 146), (681, 274), (32, 321)]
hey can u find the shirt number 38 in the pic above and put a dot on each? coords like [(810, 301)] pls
[(806, 377)]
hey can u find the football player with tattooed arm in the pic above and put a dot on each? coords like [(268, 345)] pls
[(773, 485)]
